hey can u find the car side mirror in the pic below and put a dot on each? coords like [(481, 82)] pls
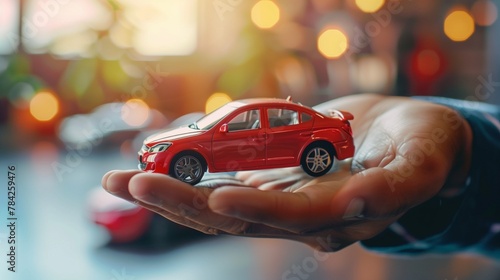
[(223, 128)]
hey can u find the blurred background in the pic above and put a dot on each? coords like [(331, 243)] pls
[(82, 82)]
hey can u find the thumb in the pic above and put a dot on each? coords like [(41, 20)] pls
[(368, 195)]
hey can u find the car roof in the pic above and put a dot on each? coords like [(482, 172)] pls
[(265, 101)]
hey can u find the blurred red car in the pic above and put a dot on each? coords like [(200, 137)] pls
[(251, 134), (127, 223), (124, 221)]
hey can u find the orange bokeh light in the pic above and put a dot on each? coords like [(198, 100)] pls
[(332, 43), (369, 6), (135, 112), (459, 25), (216, 100), (265, 14), (44, 106)]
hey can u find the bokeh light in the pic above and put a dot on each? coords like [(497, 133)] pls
[(135, 112), (171, 30), (459, 25), (369, 6), (332, 43), (295, 77), (265, 14), (485, 12), (216, 100), (372, 74), (9, 23), (428, 62), (44, 106)]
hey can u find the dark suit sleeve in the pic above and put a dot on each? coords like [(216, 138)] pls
[(469, 221)]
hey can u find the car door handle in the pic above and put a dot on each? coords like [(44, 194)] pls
[(258, 139)]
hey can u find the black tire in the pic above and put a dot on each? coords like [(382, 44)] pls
[(188, 167), (317, 159)]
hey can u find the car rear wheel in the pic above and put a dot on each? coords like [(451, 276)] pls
[(317, 159), (188, 168)]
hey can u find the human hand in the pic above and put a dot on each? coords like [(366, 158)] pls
[(407, 151)]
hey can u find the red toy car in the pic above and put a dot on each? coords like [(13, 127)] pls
[(251, 134)]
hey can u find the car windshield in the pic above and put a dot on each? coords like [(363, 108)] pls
[(213, 118)]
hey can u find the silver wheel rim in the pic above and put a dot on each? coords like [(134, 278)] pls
[(188, 169), (318, 159)]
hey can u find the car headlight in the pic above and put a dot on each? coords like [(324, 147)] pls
[(159, 148)]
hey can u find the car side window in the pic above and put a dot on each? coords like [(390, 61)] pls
[(245, 120), (282, 117), (305, 117)]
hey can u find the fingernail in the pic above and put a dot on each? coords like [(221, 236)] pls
[(225, 211), (354, 210), (104, 180)]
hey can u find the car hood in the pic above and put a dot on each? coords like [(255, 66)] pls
[(173, 134)]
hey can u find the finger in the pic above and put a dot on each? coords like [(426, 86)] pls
[(182, 203), (116, 183), (178, 219), (368, 196), (333, 200), (400, 182), (295, 212)]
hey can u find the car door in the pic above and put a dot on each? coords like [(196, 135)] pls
[(239, 143), (287, 132)]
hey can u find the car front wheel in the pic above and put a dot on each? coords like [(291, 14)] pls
[(317, 159), (188, 168)]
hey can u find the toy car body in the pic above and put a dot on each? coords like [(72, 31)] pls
[(251, 134)]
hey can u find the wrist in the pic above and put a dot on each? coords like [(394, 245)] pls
[(459, 172)]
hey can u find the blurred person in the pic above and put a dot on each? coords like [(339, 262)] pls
[(425, 178)]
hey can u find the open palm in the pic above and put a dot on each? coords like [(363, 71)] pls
[(407, 151)]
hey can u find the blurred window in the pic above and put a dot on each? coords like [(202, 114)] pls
[(282, 117), (245, 120), (305, 117)]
